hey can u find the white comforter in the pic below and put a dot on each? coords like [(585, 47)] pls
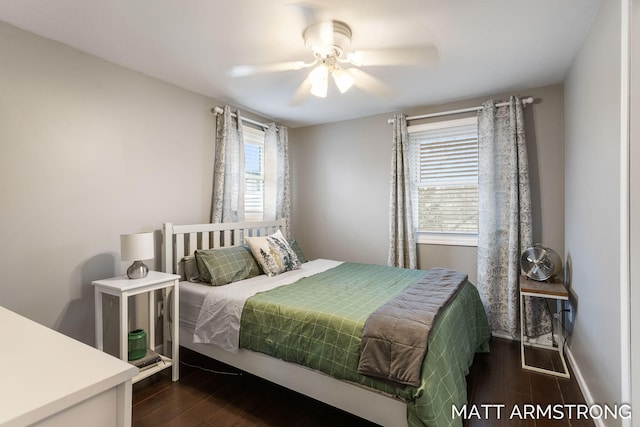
[(219, 319)]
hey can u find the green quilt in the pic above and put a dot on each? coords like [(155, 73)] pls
[(318, 322)]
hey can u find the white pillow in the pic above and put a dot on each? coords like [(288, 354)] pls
[(273, 253)]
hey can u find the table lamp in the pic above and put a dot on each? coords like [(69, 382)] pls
[(137, 247)]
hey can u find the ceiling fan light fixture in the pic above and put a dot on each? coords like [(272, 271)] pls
[(319, 90), (319, 79), (343, 79), (327, 38), (329, 43)]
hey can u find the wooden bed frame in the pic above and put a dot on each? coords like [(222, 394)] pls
[(181, 240)]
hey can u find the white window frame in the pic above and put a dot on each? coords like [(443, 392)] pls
[(431, 237)]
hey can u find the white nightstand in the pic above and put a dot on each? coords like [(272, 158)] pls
[(550, 290), (123, 288)]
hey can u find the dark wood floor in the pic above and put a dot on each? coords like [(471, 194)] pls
[(203, 398), (498, 378)]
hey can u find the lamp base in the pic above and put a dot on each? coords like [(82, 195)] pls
[(137, 270)]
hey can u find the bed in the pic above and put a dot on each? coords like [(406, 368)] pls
[(460, 331)]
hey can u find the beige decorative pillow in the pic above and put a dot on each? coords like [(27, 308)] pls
[(273, 253)]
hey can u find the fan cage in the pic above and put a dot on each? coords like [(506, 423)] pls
[(540, 263)]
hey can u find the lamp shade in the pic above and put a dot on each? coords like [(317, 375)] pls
[(136, 247), (343, 79), (318, 77)]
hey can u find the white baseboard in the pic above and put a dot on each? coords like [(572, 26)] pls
[(503, 335), (582, 383)]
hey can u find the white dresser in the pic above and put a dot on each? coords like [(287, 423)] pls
[(49, 379)]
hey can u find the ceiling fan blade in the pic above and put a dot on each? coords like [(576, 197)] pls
[(367, 82), (249, 70), (311, 11), (301, 93), (421, 55), (317, 19)]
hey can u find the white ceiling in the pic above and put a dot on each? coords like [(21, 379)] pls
[(484, 47)]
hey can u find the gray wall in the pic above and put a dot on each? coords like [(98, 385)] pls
[(88, 150), (592, 204), (340, 189), (341, 184)]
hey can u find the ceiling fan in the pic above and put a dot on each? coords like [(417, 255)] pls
[(329, 42)]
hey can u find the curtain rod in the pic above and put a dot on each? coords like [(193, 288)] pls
[(218, 110), (525, 101)]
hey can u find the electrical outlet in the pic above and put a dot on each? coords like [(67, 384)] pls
[(568, 309)]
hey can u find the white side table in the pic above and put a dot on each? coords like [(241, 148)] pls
[(123, 288), (549, 290)]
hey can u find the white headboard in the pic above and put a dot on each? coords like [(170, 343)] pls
[(181, 240)]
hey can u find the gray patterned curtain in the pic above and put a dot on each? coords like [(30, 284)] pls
[(277, 194), (227, 203), (283, 199), (504, 221), (402, 241)]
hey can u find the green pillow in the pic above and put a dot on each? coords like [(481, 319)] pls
[(297, 250), (226, 265)]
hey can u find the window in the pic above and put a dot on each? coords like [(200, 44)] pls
[(445, 171), (254, 182)]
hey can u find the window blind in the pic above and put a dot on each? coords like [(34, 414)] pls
[(254, 173), (446, 174)]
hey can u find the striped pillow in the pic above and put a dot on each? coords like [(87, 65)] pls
[(273, 253)]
